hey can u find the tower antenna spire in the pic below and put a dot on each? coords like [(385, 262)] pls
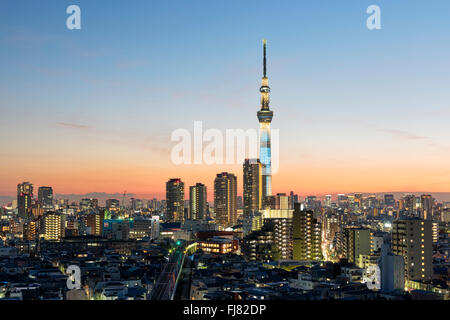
[(265, 68)]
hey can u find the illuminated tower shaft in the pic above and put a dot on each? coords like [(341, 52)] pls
[(265, 116)]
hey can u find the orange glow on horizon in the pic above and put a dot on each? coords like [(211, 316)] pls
[(311, 179)]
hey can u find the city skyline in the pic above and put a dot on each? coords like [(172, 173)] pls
[(103, 196), (132, 167), (347, 118)]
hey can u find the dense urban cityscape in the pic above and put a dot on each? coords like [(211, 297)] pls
[(254, 246), (351, 246)]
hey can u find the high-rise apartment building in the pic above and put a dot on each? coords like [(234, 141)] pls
[(31, 228), (307, 235), (197, 201), (252, 222), (412, 239), (175, 200), (331, 226), (24, 197), (426, 206), (94, 221), (252, 190), (358, 241), (52, 226), (259, 246), (225, 192), (282, 237)]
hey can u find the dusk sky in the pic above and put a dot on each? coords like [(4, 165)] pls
[(358, 110)]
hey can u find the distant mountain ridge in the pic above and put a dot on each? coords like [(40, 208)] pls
[(103, 196)]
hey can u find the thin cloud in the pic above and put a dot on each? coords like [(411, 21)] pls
[(404, 135), (130, 64), (72, 125), (157, 143)]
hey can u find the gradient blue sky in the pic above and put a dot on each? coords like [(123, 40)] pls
[(92, 109)]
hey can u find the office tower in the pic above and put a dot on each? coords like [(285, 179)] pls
[(24, 197), (137, 204), (342, 201), (141, 228), (269, 202), (52, 226), (418, 204), (351, 199), (311, 203), (438, 213), (293, 198), (327, 202), (307, 235), (94, 221), (426, 205), (45, 196), (265, 116), (187, 211), (409, 204), (225, 188), (412, 239), (197, 201), (401, 206), (358, 199), (117, 229), (155, 227), (152, 203), (174, 200), (389, 200), (88, 203), (252, 190), (282, 201), (239, 203), (37, 208), (282, 237), (63, 203), (372, 202), (112, 204)]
